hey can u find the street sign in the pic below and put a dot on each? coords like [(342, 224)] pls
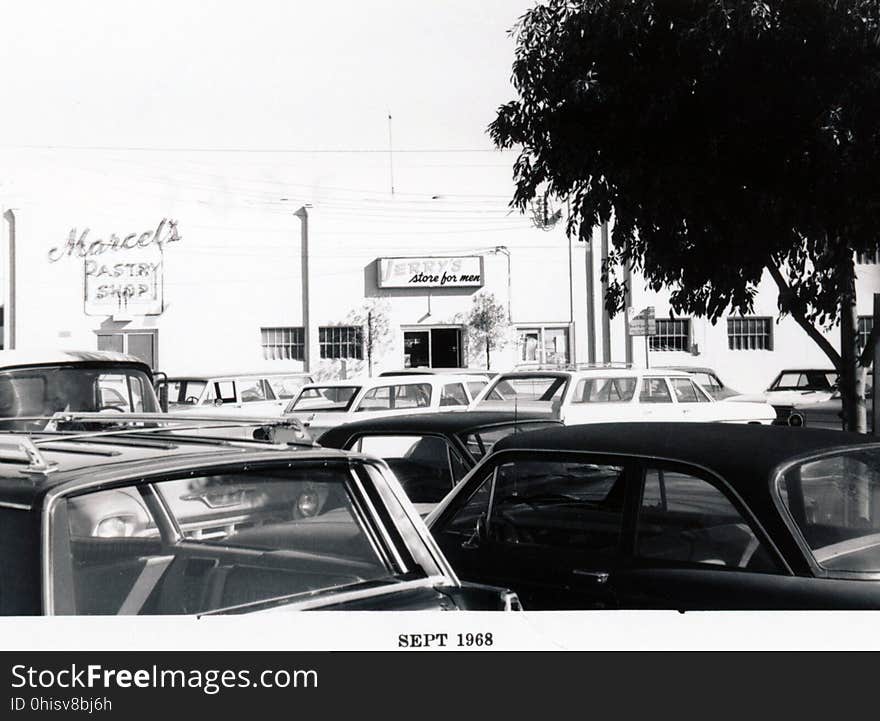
[(642, 323)]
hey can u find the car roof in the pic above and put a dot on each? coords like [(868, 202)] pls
[(388, 380), (687, 369), (97, 458), (439, 371), (602, 372), (731, 450), (448, 423), (247, 374), (807, 370), (39, 357)]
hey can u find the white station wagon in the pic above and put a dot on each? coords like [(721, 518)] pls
[(615, 394), (325, 405)]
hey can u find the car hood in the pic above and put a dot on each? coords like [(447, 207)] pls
[(782, 398)]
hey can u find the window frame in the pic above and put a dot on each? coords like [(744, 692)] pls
[(721, 485), (346, 349), (660, 342), (295, 348), (748, 340)]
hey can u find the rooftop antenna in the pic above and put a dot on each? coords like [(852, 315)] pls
[(390, 155)]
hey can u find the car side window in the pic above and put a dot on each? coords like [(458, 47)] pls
[(684, 519), (685, 391), (412, 395), (654, 390), (558, 503), (425, 465), (376, 399), (453, 394), (252, 390), (225, 391)]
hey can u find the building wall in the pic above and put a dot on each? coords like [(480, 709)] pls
[(238, 267)]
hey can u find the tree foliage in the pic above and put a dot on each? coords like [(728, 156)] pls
[(725, 137), (487, 324)]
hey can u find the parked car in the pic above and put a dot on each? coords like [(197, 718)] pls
[(250, 394), (431, 452), (477, 377), (672, 516), (323, 405), (36, 384), (825, 414), (615, 394), (796, 387), (708, 380), (152, 519)]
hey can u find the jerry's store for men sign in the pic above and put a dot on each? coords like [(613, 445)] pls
[(433, 272), (121, 275)]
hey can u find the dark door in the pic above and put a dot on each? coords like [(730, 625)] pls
[(549, 529), (445, 347), (415, 349)]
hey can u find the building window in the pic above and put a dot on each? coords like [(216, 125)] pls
[(283, 343), (341, 341), (868, 258), (750, 333), (866, 325), (544, 345), (672, 334)]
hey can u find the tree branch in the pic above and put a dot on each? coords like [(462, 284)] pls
[(790, 303)]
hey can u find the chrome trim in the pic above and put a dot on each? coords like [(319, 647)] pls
[(328, 598), (16, 506)]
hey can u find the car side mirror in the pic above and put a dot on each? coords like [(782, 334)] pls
[(479, 535), (218, 401)]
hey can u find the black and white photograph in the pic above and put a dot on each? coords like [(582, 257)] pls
[(558, 315)]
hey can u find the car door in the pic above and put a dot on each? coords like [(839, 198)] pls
[(695, 546), (257, 397), (693, 405), (655, 400), (547, 525)]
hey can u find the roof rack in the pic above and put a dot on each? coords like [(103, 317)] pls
[(23, 449), (278, 431)]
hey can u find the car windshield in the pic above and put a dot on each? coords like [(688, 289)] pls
[(47, 390), (325, 399), (514, 390), (835, 502), (185, 392), (805, 381), (229, 540), (480, 441), (288, 386)]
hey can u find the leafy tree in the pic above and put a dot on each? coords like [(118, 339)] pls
[(373, 319), (726, 138), (487, 324)]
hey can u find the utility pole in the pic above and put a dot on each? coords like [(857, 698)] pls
[(9, 310), (875, 413), (390, 155), (606, 318), (591, 300), (303, 215)]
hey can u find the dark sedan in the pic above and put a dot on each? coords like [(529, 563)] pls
[(672, 516), (431, 452)]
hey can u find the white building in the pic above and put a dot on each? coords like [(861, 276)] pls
[(253, 274)]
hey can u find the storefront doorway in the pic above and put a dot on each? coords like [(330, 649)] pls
[(432, 348), (141, 344)]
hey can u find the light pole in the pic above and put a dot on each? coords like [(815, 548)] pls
[(303, 215)]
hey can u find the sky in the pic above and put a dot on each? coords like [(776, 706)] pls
[(260, 75)]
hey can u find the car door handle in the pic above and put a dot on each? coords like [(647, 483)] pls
[(600, 577)]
